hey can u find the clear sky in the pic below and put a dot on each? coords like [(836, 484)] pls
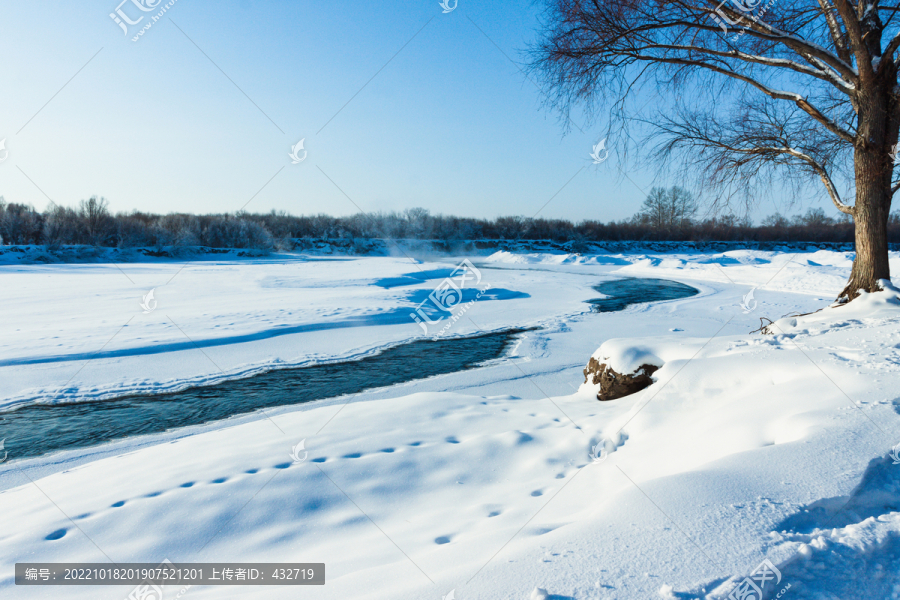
[(398, 103)]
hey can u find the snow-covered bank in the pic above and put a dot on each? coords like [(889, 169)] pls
[(90, 337), (746, 447), (87, 336), (356, 247)]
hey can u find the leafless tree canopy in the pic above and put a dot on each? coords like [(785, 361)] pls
[(671, 209), (746, 87)]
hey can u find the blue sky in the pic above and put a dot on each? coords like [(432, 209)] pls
[(446, 120)]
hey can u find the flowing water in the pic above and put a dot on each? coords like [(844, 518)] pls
[(34, 430), (38, 429)]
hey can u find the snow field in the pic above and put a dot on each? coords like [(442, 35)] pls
[(746, 447)]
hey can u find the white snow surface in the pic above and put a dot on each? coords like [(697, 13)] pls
[(627, 355), (746, 447)]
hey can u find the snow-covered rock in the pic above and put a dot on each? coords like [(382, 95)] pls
[(615, 384)]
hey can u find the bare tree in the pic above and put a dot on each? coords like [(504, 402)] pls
[(94, 214), (797, 87), (814, 217), (667, 209), (684, 206), (61, 225), (20, 224), (655, 209), (777, 220)]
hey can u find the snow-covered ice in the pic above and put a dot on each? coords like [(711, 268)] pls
[(747, 446)]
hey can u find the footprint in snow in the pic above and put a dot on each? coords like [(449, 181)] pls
[(523, 438)]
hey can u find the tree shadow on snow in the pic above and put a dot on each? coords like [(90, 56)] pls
[(851, 548), (877, 493), (862, 558)]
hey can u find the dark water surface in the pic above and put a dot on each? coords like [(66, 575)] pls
[(625, 292), (38, 429)]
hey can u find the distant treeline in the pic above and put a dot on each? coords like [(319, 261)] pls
[(666, 215)]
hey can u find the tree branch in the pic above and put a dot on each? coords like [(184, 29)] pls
[(805, 48), (889, 51), (838, 37), (819, 169), (799, 100), (829, 76), (855, 36)]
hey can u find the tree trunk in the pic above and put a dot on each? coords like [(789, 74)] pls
[(873, 170), (871, 217)]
